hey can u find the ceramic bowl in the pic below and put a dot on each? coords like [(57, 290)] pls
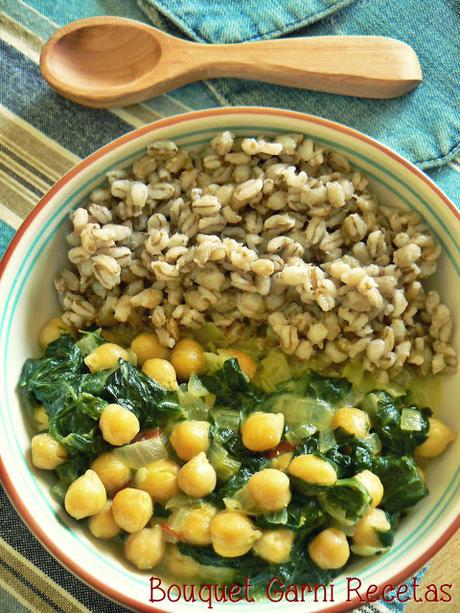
[(27, 300)]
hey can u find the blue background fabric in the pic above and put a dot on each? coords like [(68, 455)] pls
[(239, 21)]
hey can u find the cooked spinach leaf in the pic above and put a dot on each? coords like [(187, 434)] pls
[(333, 390), (147, 399), (231, 387), (386, 416), (75, 424), (50, 377), (350, 455), (303, 516), (347, 500), (402, 483)]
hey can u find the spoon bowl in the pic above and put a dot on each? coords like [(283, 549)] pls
[(104, 55), (110, 61)]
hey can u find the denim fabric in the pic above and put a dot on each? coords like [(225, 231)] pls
[(424, 125), (236, 21)]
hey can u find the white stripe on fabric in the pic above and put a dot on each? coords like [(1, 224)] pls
[(131, 118), (9, 217), (217, 95)]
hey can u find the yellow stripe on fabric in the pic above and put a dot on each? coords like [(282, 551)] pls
[(28, 176), (17, 197), (53, 592), (16, 35), (9, 217), (51, 153), (23, 593), (27, 156)]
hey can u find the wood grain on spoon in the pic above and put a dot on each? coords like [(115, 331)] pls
[(110, 61)]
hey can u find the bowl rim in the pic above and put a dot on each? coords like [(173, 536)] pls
[(26, 515)]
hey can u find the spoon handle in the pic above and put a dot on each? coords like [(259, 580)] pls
[(365, 66)]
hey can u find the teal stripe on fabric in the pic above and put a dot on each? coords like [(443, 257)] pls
[(11, 604), (28, 17), (6, 236)]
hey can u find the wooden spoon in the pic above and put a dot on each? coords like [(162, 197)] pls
[(110, 61)]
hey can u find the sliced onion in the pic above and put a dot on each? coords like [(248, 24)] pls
[(181, 500), (411, 420), (326, 440), (374, 442), (137, 455), (242, 501)]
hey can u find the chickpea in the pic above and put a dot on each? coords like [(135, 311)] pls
[(439, 437), (118, 425), (105, 356), (147, 346), (196, 525), (180, 565), (47, 453), (274, 546), (41, 418), (102, 525), (52, 330), (159, 479), (367, 530), (270, 489), (372, 484), (187, 357), (329, 549), (197, 478), (145, 549), (313, 469), (353, 421), (262, 431), (232, 534), (190, 438), (245, 362), (132, 509), (112, 471), (86, 496), (161, 371)]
